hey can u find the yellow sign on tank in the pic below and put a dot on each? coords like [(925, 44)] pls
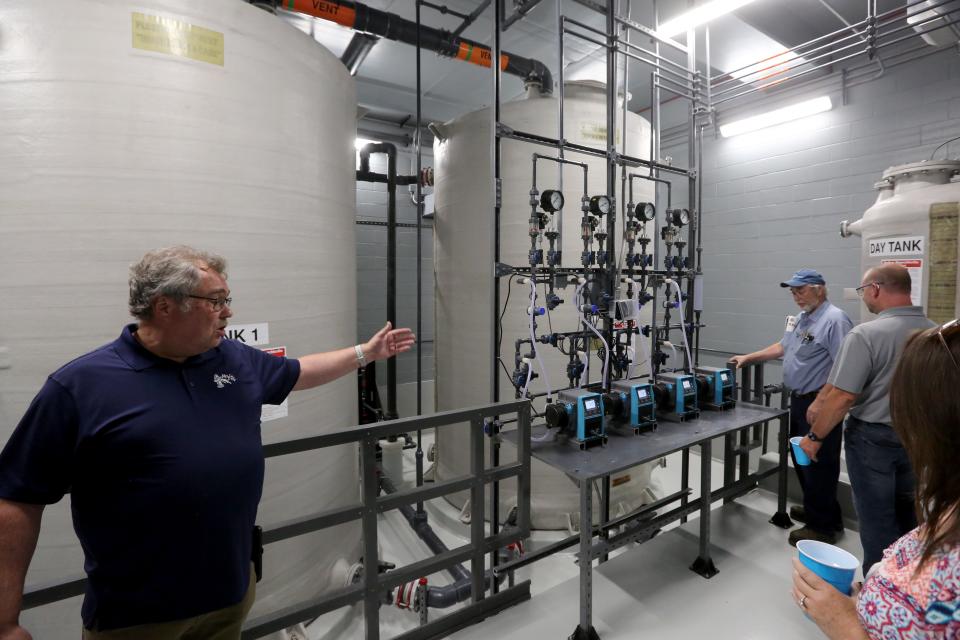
[(174, 37)]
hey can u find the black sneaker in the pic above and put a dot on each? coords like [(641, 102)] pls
[(797, 513), (806, 533)]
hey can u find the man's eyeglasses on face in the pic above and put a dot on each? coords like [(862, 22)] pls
[(217, 303), (946, 328), (860, 289), (795, 291)]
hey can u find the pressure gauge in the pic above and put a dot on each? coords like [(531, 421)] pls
[(551, 201), (600, 205), (679, 217), (645, 211)]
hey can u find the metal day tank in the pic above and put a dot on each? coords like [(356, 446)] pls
[(914, 223), (463, 263), (134, 125)]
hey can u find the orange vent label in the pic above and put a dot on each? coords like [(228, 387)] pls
[(479, 55), (331, 11)]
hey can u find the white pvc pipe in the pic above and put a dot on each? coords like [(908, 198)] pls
[(683, 324), (606, 347)]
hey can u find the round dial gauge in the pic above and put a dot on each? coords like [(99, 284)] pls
[(645, 211), (551, 201), (600, 205), (680, 217)]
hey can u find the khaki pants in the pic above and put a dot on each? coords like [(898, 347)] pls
[(222, 624)]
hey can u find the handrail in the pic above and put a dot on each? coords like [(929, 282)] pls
[(483, 424)]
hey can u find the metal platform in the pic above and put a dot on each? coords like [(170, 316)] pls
[(625, 451)]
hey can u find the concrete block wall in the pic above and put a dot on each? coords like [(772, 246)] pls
[(773, 199), (372, 274)]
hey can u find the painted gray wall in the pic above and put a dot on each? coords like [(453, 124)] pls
[(773, 200), (372, 271)]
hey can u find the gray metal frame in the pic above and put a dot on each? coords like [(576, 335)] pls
[(482, 424), (625, 451)]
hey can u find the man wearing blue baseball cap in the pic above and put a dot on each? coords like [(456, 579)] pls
[(810, 345)]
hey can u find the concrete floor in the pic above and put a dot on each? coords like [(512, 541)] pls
[(643, 590)]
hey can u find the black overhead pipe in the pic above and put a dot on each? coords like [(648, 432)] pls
[(360, 17), (392, 179)]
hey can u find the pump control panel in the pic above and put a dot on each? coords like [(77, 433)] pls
[(717, 388), (638, 405), (580, 415), (677, 396)]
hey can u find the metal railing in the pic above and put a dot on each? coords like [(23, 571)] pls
[(483, 423)]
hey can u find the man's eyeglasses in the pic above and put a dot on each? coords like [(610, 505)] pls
[(947, 328), (798, 290), (860, 289), (218, 303)]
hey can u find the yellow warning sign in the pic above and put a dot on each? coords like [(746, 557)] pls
[(177, 38)]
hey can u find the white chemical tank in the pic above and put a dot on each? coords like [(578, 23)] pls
[(134, 125), (914, 223), (463, 265)]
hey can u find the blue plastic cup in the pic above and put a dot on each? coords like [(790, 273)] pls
[(831, 563), (802, 458)]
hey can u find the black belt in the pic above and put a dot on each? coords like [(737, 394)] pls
[(805, 396)]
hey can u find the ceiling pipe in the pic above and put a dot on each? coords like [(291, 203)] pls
[(357, 51), (360, 17)]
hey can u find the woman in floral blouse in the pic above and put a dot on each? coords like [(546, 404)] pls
[(914, 592)]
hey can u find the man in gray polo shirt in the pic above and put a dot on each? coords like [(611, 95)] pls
[(809, 347), (859, 383)]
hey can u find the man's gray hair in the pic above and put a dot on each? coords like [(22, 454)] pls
[(171, 271)]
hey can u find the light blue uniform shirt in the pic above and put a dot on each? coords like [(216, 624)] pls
[(811, 346)]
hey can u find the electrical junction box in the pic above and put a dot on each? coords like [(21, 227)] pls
[(677, 397), (638, 404), (718, 388)]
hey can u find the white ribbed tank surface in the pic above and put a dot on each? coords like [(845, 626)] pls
[(915, 222), (463, 259), (109, 149)]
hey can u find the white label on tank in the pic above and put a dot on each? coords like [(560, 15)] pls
[(251, 334), (895, 246), (915, 267)]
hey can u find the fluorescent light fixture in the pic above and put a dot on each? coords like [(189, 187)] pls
[(777, 116), (698, 16)]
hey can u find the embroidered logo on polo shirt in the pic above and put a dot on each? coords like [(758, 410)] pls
[(223, 379)]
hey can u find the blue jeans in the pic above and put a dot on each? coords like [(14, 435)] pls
[(883, 486), (818, 480)]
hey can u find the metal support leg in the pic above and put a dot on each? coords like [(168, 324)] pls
[(585, 630), (605, 510), (704, 563), (781, 518), (476, 510), (684, 479), (729, 462), (371, 561)]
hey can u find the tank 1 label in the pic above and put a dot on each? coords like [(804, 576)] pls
[(896, 246)]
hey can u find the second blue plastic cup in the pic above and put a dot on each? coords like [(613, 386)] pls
[(802, 458)]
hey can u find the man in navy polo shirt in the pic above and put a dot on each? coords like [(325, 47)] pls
[(156, 436), (810, 345)]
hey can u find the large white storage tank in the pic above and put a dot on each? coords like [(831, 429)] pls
[(463, 265), (132, 125), (914, 222)]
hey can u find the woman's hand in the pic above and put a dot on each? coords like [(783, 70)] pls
[(832, 611)]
